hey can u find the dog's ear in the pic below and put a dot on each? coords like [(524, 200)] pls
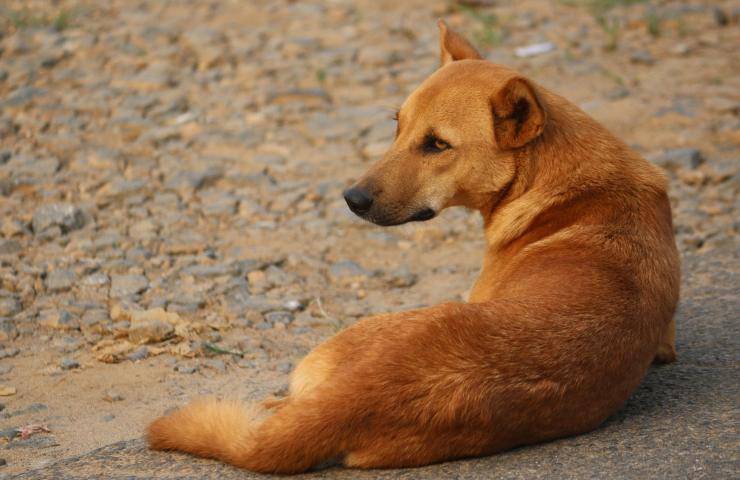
[(454, 47), (518, 116)]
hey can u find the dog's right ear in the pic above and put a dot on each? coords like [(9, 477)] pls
[(453, 46)]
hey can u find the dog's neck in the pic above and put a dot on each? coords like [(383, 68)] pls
[(557, 170)]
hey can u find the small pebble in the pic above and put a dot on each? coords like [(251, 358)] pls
[(112, 396), (187, 369), (69, 364)]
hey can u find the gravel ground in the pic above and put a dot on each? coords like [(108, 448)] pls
[(171, 221)]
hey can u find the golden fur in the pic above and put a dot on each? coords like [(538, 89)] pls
[(575, 299)]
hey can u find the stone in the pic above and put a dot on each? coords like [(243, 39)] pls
[(112, 396), (720, 16), (347, 270), (150, 331), (58, 319), (119, 189), (9, 352), (98, 279), (642, 57), (284, 367), (6, 390), (373, 55), (22, 96), (402, 278), (32, 408), (127, 285), (63, 215), (534, 49), (215, 364), (10, 247), (186, 243), (279, 316), (678, 158), (215, 270), (139, 354), (10, 306), (69, 364), (60, 280), (186, 369)]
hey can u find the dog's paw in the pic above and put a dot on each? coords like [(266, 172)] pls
[(666, 354)]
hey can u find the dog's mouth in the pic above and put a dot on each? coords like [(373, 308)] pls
[(386, 221), (422, 215)]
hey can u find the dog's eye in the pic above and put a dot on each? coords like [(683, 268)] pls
[(434, 144), (440, 144)]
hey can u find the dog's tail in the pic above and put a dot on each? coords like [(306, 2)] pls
[(293, 439)]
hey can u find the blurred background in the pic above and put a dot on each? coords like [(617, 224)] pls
[(171, 220)]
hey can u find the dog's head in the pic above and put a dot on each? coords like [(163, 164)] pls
[(456, 140)]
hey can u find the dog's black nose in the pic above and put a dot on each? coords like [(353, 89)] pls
[(358, 200)]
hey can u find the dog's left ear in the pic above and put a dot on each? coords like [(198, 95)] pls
[(518, 116), (453, 46)]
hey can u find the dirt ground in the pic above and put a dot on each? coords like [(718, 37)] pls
[(171, 220)]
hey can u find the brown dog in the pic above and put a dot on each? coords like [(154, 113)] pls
[(576, 296)]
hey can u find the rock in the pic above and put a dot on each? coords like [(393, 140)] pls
[(373, 55), (139, 354), (58, 319), (642, 57), (534, 49), (112, 396), (678, 158), (69, 364), (32, 408), (10, 247), (94, 317), (9, 352), (216, 270), (63, 215), (127, 285), (276, 317), (305, 95), (153, 325), (22, 96), (401, 278), (347, 270), (216, 202), (11, 227), (284, 367), (60, 280), (187, 369), (215, 364), (108, 417), (6, 390), (34, 442), (9, 306), (98, 279), (188, 180), (720, 16), (186, 243), (293, 305)]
